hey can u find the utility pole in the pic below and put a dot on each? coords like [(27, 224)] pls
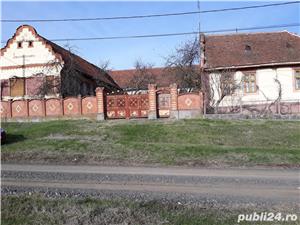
[(199, 24)]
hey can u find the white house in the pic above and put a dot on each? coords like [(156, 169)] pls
[(28, 60), (265, 70)]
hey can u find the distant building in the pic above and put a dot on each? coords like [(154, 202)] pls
[(28, 61), (263, 65), (126, 79)]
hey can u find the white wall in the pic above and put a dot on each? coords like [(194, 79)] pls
[(38, 54), (267, 87)]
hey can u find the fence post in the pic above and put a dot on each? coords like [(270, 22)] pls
[(62, 105), (100, 103), (9, 108), (44, 107), (27, 106), (241, 106), (152, 113), (79, 104), (203, 102), (174, 114)]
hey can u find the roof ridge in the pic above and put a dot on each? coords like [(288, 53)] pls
[(292, 33), (135, 69), (247, 33)]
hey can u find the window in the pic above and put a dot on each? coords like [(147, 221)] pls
[(297, 79), (17, 87), (19, 44), (249, 83), (30, 44)]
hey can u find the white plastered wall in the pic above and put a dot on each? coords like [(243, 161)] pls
[(268, 89), (38, 54)]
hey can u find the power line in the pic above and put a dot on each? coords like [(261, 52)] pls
[(147, 16), (174, 34)]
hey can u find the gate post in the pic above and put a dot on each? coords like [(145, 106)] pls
[(100, 103), (152, 113), (174, 113)]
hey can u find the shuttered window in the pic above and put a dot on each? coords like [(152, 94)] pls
[(17, 87)]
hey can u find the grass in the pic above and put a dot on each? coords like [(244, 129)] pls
[(194, 142), (36, 209)]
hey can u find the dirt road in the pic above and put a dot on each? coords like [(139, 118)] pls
[(264, 186)]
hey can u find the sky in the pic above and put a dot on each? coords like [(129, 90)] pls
[(123, 53)]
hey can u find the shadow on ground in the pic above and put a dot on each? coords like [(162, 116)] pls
[(13, 138)]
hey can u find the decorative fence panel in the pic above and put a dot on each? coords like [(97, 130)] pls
[(89, 105), (4, 109), (36, 108), (190, 101), (54, 107), (72, 106), (19, 108)]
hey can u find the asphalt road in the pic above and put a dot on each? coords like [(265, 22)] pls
[(229, 186)]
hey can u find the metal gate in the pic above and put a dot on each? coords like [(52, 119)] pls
[(127, 106)]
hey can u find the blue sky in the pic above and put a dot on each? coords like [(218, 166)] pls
[(123, 53)]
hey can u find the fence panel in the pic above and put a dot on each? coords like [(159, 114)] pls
[(72, 106), (89, 105), (4, 110), (19, 108), (36, 108)]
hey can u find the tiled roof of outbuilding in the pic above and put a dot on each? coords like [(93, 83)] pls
[(123, 77)]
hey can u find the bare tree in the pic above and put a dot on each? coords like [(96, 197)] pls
[(142, 76), (104, 65), (221, 84), (4, 85), (69, 83), (267, 109), (184, 65)]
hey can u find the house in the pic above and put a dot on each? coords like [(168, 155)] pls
[(32, 66), (264, 68)]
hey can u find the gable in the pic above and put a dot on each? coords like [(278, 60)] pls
[(38, 53)]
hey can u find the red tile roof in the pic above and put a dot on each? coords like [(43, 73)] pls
[(83, 66), (124, 77), (251, 49)]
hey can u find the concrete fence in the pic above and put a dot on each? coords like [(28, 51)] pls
[(174, 105)]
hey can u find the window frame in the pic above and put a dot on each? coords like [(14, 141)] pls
[(297, 70), (245, 82)]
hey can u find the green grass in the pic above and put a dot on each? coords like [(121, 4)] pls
[(186, 142), (35, 210)]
